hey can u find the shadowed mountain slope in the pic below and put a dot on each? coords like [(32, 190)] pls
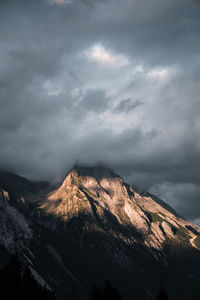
[(94, 227)]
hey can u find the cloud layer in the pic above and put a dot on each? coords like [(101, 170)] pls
[(103, 81)]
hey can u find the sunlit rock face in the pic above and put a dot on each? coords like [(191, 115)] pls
[(103, 195)]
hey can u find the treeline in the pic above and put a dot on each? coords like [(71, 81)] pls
[(18, 283), (108, 292)]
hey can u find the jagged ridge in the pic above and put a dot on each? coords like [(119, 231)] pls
[(102, 194), (96, 224)]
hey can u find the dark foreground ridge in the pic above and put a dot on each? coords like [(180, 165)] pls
[(17, 282)]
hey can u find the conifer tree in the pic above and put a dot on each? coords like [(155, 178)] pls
[(95, 293), (110, 293), (107, 293), (10, 278), (162, 295), (18, 284)]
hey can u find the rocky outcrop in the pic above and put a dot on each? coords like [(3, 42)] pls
[(103, 195), (95, 226), (14, 228)]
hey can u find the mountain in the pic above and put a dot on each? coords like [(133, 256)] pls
[(94, 227)]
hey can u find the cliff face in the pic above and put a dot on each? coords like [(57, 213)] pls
[(14, 229), (93, 227), (107, 199)]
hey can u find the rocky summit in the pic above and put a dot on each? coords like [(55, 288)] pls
[(95, 227)]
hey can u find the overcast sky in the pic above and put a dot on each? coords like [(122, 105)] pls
[(104, 81)]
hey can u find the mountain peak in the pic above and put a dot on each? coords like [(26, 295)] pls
[(96, 220), (98, 192), (96, 171)]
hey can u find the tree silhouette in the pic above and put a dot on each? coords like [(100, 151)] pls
[(110, 293), (32, 290), (10, 279), (18, 284), (95, 293), (162, 295), (107, 293)]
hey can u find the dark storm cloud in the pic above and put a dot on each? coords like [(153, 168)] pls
[(188, 193), (72, 74), (128, 105)]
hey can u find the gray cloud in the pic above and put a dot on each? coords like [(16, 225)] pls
[(94, 100), (71, 80), (128, 105), (188, 193)]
